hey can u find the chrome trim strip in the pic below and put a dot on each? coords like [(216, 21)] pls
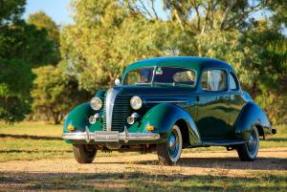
[(76, 136), (153, 74), (113, 136), (109, 102), (170, 101)]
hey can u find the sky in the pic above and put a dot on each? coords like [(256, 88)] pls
[(59, 10)]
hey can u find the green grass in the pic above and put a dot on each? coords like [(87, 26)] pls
[(25, 148), (32, 128), (137, 181), (277, 140), (29, 149), (211, 183)]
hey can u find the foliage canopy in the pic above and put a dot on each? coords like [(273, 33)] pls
[(107, 35)]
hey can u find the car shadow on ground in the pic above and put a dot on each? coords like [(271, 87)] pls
[(34, 137), (278, 139), (262, 163), (5, 151)]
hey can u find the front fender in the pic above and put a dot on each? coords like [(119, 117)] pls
[(78, 117), (251, 115), (163, 116)]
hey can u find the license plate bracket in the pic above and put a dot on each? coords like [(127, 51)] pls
[(106, 136)]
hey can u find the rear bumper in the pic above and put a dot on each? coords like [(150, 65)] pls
[(110, 136)]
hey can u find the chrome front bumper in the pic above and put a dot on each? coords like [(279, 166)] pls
[(110, 136)]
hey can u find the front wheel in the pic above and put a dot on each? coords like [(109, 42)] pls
[(84, 153), (170, 151), (249, 150)]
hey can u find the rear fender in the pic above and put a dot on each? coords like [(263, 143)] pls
[(252, 116), (163, 116)]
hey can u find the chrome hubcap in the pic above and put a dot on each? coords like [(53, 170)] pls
[(252, 143), (173, 144)]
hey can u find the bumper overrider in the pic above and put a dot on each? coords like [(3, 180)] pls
[(110, 136)]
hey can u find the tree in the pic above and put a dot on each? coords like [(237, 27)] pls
[(54, 93), (106, 37), (22, 47), (49, 93), (11, 11), (43, 22), (266, 58), (15, 81)]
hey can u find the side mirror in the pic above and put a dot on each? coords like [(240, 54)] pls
[(117, 82)]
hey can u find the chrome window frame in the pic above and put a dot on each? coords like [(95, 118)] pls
[(173, 84), (219, 69)]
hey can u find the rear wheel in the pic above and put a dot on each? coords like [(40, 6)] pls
[(170, 151), (84, 153), (249, 150)]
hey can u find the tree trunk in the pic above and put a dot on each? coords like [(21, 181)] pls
[(56, 118)]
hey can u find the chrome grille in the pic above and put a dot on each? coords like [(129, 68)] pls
[(109, 104), (104, 116), (120, 113)]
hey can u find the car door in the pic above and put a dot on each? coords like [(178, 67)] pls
[(212, 105), (236, 101)]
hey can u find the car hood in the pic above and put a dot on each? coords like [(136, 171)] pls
[(156, 93)]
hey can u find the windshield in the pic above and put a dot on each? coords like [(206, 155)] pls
[(160, 75), (139, 76)]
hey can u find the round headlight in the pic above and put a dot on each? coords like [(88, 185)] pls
[(96, 103), (136, 102)]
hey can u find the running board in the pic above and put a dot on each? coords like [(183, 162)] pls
[(223, 143)]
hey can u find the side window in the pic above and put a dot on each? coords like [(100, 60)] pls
[(233, 83), (214, 80)]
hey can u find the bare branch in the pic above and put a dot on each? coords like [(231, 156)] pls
[(208, 7), (196, 8), (178, 19), (145, 9), (153, 9), (226, 12), (238, 18)]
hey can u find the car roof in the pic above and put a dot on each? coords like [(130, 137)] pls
[(180, 61)]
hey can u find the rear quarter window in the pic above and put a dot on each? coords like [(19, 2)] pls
[(214, 80)]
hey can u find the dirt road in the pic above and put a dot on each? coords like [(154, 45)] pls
[(114, 172)]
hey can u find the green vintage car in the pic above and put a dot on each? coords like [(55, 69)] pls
[(167, 104)]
